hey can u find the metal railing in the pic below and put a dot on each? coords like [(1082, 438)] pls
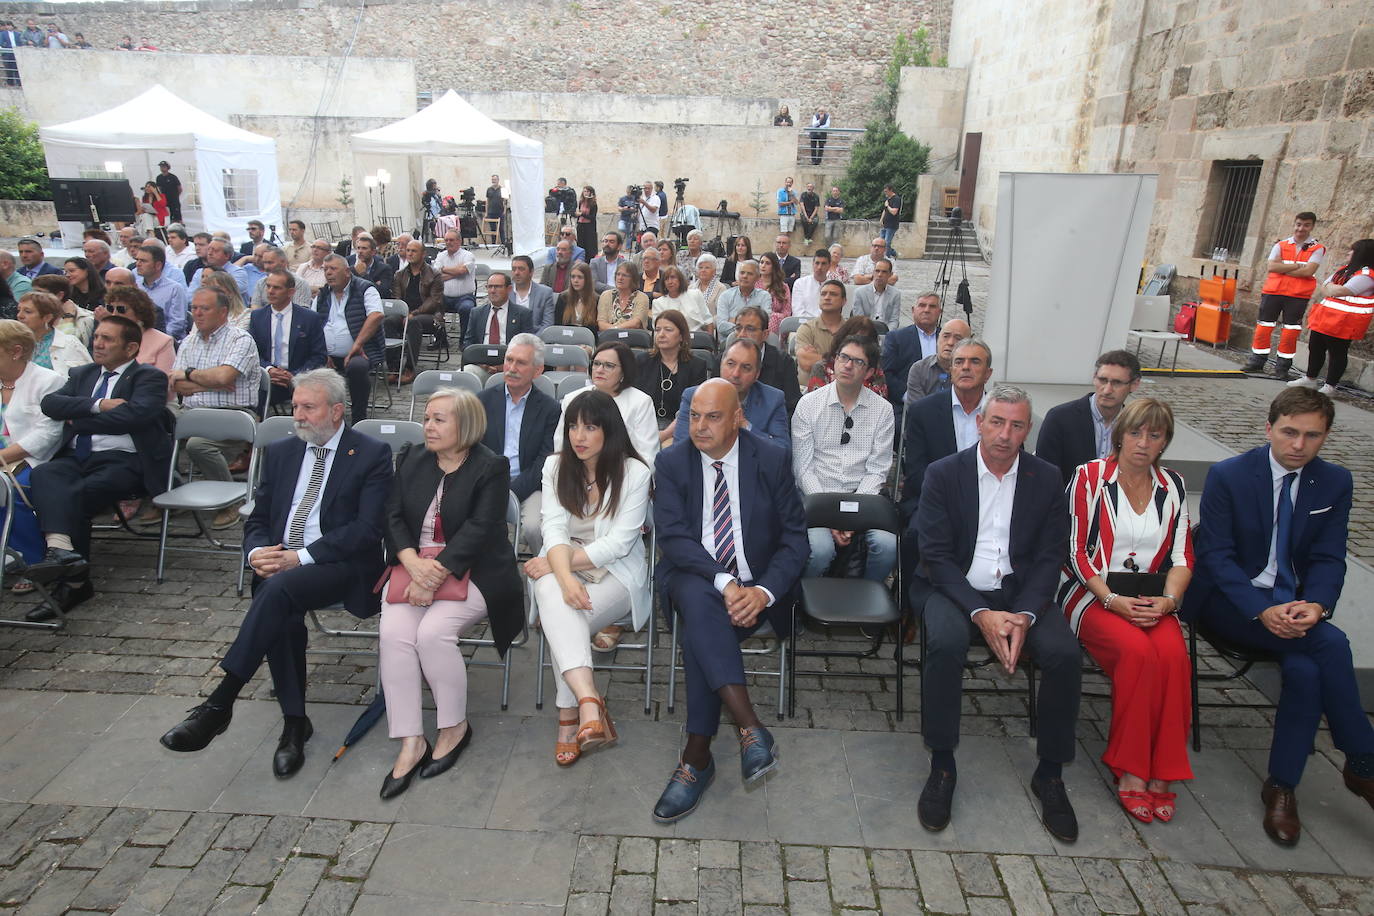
[(832, 151)]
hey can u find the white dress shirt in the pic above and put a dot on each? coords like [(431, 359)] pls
[(965, 424), (708, 499), (115, 443), (992, 549), (501, 314), (1271, 570), (312, 521), (806, 297)]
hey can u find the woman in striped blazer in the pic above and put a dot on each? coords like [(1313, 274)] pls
[(1128, 514)]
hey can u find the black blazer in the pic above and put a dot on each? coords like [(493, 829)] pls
[(305, 349), (780, 371), (536, 434), (519, 321), (473, 509), (947, 525), (928, 437), (143, 416), (352, 511), (1067, 438), (901, 348), (379, 274), (791, 269)]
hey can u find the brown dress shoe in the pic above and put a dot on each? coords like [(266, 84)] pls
[(1358, 784), (1281, 815)]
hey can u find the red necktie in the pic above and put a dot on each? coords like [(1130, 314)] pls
[(494, 334)]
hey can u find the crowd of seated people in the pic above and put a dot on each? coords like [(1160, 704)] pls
[(1084, 546)]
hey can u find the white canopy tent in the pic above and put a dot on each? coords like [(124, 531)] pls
[(229, 175), (452, 127)]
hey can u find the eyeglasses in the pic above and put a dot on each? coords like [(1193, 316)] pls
[(848, 425), (121, 309), (1110, 382), (602, 364), (846, 359)]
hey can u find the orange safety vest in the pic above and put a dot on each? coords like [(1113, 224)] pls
[(1344, 317), (1296, 287)]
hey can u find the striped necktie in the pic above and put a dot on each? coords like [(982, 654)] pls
[(723, 523), (295, 532)]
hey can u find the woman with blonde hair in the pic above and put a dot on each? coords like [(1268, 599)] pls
[(451, 566), (238, 314)]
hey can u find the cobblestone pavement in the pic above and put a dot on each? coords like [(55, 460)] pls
[(56, 859), (138, 637)]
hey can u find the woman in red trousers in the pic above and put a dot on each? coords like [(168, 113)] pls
[(1129, 515)]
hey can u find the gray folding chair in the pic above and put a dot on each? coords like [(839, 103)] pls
[(634, 338), (396, 308), (788, 327), (565, 360), (395, 433), (568, 335), (431, 380), (571, 383), (9, 497), (197, 496)]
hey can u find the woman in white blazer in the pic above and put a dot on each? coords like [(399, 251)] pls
[(54, 349), (592, 570), (613, 371), (27, 434)]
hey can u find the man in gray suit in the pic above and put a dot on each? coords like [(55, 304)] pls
[(539, 299)]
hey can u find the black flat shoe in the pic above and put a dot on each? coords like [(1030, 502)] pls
[(199, 728), (443, 764), (290, 755), (393, 785), (66, 594), (937, 798)]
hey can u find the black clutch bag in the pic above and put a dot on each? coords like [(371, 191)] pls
[(1136, 584)]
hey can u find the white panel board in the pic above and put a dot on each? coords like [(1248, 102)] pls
[(1064, 271)]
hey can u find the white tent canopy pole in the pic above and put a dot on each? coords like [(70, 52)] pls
[(452, 127)]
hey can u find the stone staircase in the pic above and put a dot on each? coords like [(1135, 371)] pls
[(939, 233)]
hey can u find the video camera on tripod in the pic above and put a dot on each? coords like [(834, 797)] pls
[(560, 200)]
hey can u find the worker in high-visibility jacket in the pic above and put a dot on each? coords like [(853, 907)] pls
[(1340, 317), (1292, 280)]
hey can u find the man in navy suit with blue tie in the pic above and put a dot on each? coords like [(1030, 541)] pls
[(314, 539), (290, 339), (1270, 566), (733, 540)]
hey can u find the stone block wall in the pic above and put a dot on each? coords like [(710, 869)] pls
[(829, 55)]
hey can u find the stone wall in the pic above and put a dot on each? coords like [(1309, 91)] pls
[(1174, 87), (831, 55), (930, 108), (26, 217)]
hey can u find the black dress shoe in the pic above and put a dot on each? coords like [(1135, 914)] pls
[(1055, 809), (443, 764), (395, 785), (56, 557), (290, 753), (199, 728), (66, 594), (14, 562), (936, 800)]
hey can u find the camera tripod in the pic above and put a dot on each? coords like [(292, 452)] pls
[(954, 248)]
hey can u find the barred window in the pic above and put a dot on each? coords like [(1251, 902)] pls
[(1231, 193), (240, 192)]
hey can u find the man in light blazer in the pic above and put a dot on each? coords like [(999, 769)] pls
[(733, 540), (537, 415), (994, 532), (314, 538), (1270, 565), (511, 319), (536, 297)]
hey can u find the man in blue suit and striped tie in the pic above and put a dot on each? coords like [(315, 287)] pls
[(1270, 566)]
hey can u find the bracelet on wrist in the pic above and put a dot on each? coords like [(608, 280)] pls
[(1107, 602)]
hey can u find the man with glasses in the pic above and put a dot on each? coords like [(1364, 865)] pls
[(1081, 430), (842, 443), (566, 234), (168, 295), (778, 370), (500, 319)]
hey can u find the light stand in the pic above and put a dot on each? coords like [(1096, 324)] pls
[(371, 182), (383, 179)]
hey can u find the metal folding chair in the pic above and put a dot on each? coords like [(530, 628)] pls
[(568, 335), (431, 380), (634, 338), (565, 360), (395, 433), (9, 498)]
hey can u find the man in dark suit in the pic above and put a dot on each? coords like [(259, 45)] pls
[(31, 263), (118, 442), (256, 236), (500, 319), (765, 411), (290, 339), (944, 422), (778, 370), (521, 421), (1270, 565), (994, 533), (791, 265), (904, 346), (314, 539), (725, 567), (365, 263), (1080, 430)]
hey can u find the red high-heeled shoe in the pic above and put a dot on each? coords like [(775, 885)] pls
[(1162, 805), (1138, 805)]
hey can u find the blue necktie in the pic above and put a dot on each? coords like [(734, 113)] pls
[(723, 523), (278, 349), (82, 444), (1285, 582)]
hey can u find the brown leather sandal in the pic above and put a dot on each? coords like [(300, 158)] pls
[(565, 753), (600, 733)]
